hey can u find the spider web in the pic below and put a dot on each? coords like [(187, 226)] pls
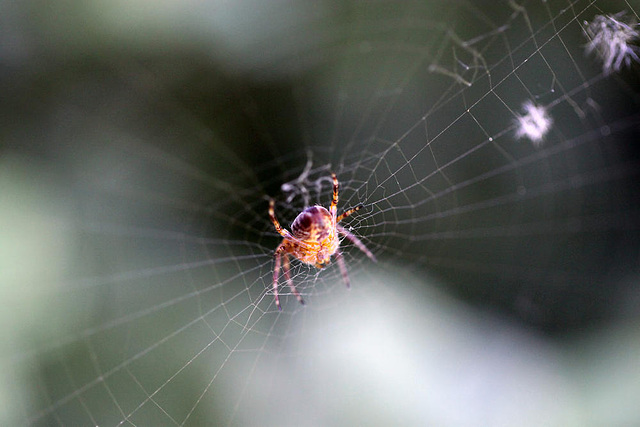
[(139, 254)]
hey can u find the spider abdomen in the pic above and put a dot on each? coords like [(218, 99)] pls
[(314, 223)]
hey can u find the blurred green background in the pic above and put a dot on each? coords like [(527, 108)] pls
[(139, 142)]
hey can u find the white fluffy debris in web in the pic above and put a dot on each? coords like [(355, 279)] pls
[(611, 39), (534, 123)]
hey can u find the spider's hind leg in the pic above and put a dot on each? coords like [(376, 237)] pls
[(349, 212), (272, 214), (333, 209)]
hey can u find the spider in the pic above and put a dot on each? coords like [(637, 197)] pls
[(313, 240)]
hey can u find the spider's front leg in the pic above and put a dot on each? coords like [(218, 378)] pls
[(287, 275), (346, 233), (281, 252), (276, 273), (343, 269)]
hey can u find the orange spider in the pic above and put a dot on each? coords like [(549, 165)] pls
[(313, 240)]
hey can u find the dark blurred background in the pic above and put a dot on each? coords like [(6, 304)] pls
[(139, 143)]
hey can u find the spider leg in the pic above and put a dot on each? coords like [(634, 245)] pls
[(343, 268), (349, 212), (287, 275), (356, 242), (276, 271), (283, 231), (333, 209), (272, 214)]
